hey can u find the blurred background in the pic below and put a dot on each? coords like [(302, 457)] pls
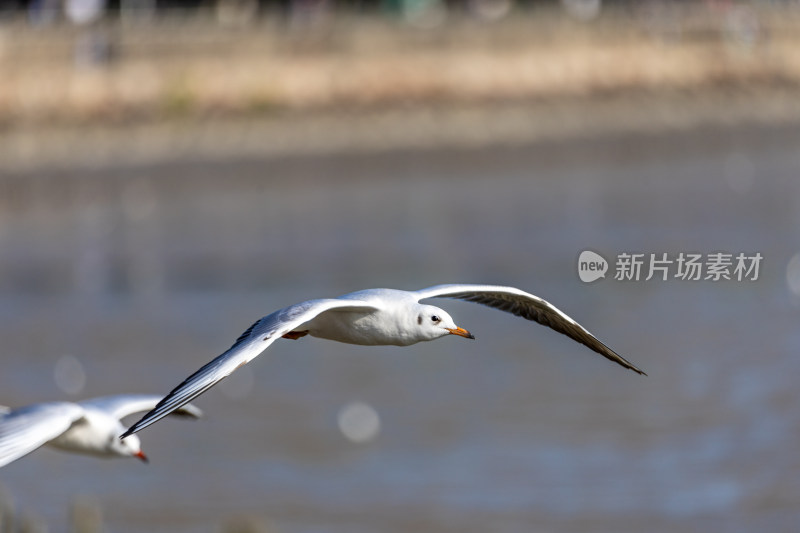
[(172, 170)]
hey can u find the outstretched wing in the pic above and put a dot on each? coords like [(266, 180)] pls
[(250, 344), (527, 306), (25, 429), (123, 405)]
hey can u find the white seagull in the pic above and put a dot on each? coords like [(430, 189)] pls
[(372, 317), (89, 427)]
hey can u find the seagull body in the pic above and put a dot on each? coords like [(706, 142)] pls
[(371, 322), (372, 317), (91, 427)]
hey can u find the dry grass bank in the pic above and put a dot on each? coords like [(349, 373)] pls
[(532, 74)]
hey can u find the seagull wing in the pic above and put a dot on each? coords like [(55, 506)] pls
[(123, 405), (250, 344), (25, 429), (527, 306)]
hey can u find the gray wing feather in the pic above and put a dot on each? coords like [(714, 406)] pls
[(123, 405), (25, 429), (249, 345), (530, 307)]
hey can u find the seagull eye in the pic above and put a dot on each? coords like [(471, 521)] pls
[(436, 318)]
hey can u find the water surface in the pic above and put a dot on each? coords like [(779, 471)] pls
[(144, 273)]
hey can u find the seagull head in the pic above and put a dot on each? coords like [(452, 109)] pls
[(129, 447), (433, 323)]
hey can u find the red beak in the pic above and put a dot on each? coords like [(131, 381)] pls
[(140, 454)]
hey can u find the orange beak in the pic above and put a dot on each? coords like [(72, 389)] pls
[(461, 332), (140, 454)]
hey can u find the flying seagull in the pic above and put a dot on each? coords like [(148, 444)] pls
[(89, 427), (372, 317)]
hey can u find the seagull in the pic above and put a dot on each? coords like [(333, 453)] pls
[(372, 317), (89, 427)]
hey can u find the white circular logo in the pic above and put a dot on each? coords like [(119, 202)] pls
[(591, 266)]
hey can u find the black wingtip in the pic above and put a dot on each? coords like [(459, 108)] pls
[(630, 366), (130, 431)]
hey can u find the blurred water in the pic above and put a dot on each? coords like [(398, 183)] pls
[(141, 274)]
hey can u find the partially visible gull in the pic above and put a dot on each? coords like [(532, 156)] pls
[(89, 427), (372, 317)]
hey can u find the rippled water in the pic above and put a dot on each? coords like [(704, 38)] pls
[(142, 274)]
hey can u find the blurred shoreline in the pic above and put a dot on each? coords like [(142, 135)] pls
[(193, 87)]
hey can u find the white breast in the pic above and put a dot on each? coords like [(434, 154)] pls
[(371, 329), (92, 434)]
